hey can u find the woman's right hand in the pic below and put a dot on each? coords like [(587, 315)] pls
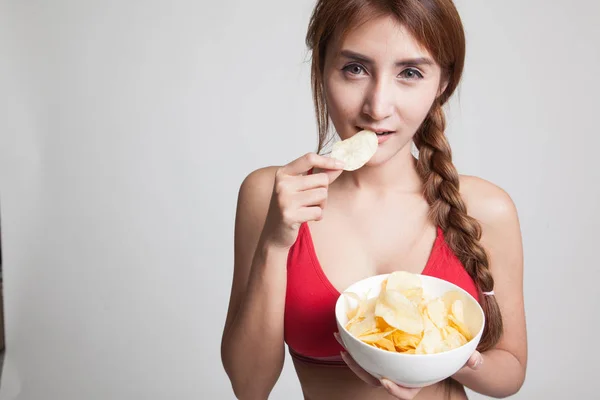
[(298, 197)]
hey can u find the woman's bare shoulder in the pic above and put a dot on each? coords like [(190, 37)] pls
[(487, 202), (258, 183), (255, 193)]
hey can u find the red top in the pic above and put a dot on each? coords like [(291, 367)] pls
[(309, 321)]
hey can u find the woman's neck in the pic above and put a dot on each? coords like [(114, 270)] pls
[(398, 174)]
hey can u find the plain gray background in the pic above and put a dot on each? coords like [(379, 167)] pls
[(126, 128)]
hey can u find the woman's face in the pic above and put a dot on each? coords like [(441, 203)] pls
[(380, 78)]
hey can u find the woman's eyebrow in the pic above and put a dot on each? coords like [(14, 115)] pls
[(400, 63)]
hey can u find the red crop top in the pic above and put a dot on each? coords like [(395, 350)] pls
[(309, 321)]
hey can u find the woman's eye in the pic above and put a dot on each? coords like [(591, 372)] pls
[(354, 69), (411, 73)]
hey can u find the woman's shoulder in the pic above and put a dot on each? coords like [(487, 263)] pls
[(260, 179), (497, 215), (487, 202), (254, 195)]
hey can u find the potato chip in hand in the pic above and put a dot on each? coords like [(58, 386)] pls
[(356, 150)]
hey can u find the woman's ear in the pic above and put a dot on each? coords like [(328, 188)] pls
[(443, 86)]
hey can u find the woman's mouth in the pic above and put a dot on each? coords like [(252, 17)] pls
[(378, 132), (382, 134), (382, 137)]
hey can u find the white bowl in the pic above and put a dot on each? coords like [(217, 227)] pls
[(410, 370)]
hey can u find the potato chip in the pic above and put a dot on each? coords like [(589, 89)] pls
[(356, 150), (450, 298), (453, 337), (364, 305), (363, 326), (402, 281), (427, 322), (404, 341), (415, 295), (374, 337), (457, 310), (432, 342), (352, 312), (404, 319), (385, 344), (399, 312), (459, 326), (436, 310)]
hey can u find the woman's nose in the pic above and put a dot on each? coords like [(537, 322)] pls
[(378, 102)]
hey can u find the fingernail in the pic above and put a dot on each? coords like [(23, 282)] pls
[(385, 383), (339, 164)]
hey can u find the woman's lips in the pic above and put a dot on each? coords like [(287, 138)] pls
[(382, 133), (383, 138)]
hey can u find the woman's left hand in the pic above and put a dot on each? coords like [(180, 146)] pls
[(399, 392)]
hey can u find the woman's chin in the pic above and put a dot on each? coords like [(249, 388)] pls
[(381, 158), (377, 160)]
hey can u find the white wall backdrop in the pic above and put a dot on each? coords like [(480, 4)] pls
[(127, 127)]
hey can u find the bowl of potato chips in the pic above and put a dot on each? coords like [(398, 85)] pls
[(415, 330)]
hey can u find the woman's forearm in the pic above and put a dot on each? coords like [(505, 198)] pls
[(500, 375), (253, 349)]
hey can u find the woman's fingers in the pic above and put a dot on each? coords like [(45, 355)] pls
[(306, 182), (339, 339), (311, 160), (314, 213), (312, 197), (475, 360), (361, 373)]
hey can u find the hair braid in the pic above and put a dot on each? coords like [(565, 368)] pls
[(448, 211)]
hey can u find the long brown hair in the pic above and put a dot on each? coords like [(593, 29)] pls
[(437, 26)]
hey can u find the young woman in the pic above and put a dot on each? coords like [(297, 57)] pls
[(307, 230)]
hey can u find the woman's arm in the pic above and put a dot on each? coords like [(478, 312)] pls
[(272, 205), (502, 372), (252, 347)]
